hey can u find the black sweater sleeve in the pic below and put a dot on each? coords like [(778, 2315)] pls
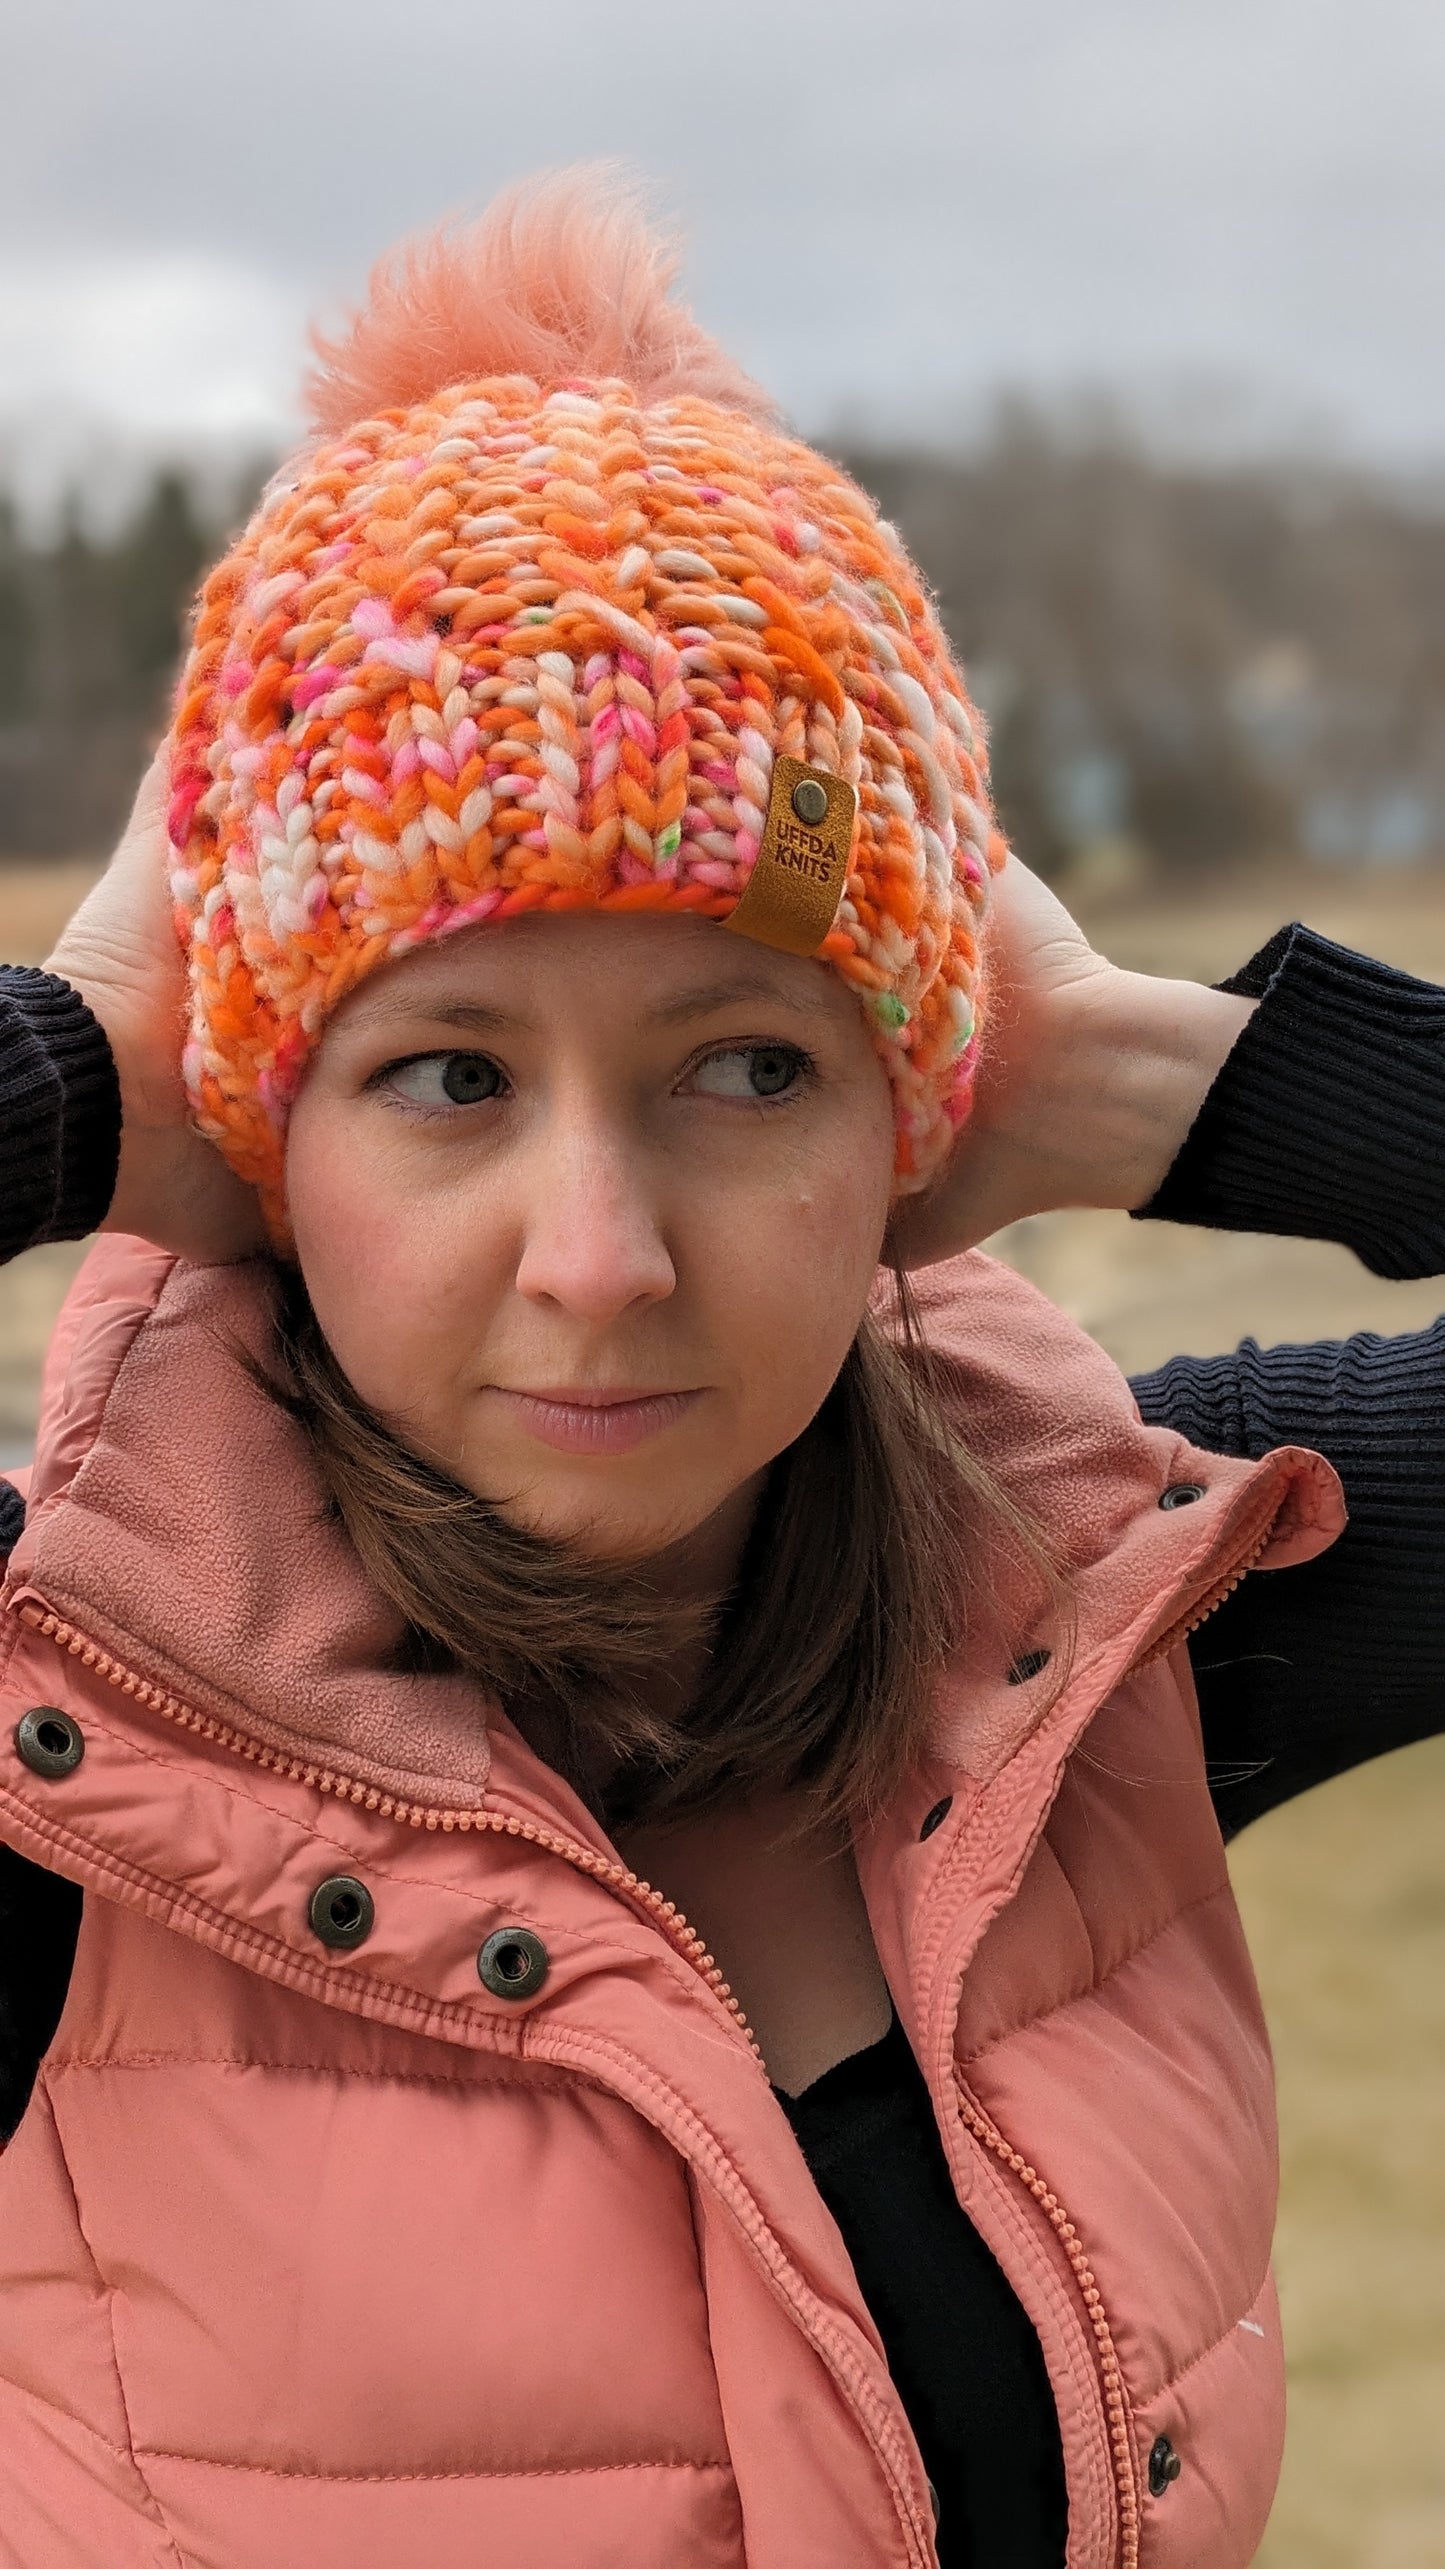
[(1305, 1672), (59, 1112), (1327, 1122), (1327, 1119), (60, 1136)]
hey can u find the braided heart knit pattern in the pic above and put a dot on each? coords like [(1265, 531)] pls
[(517, 649)]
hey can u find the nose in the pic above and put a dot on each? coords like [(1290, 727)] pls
[(593, 1243)]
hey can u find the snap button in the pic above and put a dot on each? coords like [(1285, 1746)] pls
[(937, 1816), (49, 1742), (1028, 1665), (513, 1963), (933, 2502), (1181, 1494), (1164, 2466), (342, 1911)]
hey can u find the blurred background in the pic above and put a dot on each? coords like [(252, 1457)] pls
[(1129, 316)]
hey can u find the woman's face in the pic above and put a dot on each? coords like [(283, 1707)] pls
[(588, 1209)]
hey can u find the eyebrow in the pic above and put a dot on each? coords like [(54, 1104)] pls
[(467, 1013), (702, 1000), (706, 996)]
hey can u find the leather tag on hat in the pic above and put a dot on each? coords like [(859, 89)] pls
[(795, 889)]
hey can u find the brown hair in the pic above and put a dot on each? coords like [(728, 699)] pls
[(817, 1669)]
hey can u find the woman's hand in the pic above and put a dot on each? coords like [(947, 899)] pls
[(1089, 1079), (120, 952)]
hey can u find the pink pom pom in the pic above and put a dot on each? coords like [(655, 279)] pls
[(564, 278)]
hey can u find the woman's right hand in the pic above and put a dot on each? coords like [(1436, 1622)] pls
[(1089, 1079), (120, 952)]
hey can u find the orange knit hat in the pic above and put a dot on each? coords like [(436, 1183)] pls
[(551, 614)]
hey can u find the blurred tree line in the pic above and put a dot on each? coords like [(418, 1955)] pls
[(1180, 665), (90, 634)]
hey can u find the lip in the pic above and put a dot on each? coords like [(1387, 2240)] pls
[(590, 1422)]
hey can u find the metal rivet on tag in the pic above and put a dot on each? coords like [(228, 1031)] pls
[(800, 874)]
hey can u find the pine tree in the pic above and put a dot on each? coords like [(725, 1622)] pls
[(155, 568)]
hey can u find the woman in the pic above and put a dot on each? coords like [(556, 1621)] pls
[(577, 1217)]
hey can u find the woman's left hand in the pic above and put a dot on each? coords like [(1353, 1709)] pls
[(1089, 1079)]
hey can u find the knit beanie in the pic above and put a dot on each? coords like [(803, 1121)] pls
[(551, 613)]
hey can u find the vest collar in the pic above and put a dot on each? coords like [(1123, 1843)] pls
[(177, 1522)]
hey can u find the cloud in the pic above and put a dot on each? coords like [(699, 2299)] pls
[(113, 359), (161, 340), (889, 214)]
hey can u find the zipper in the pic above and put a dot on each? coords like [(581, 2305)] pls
[(1116, 2397), (618, 1877), (1209, 1603), (985, 2131)]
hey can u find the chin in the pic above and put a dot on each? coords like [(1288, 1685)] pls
[(601, 1524)]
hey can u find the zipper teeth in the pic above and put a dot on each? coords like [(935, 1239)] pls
[(1207, 1605), (369, 1797), (1116, 2399)]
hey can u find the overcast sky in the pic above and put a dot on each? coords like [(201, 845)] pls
[(1236, 210)]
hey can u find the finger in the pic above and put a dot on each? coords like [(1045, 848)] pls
[(153, 792)]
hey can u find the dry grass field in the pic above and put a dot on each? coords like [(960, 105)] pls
[(1344, 1893)]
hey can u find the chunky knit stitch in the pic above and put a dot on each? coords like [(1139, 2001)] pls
[(526, 644)]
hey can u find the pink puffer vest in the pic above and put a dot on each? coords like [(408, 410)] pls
[(320, 2253)]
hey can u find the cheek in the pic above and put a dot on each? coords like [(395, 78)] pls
[(373, 1268), (792, 1277)]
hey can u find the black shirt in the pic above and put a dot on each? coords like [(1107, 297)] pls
[(961, 2347)]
